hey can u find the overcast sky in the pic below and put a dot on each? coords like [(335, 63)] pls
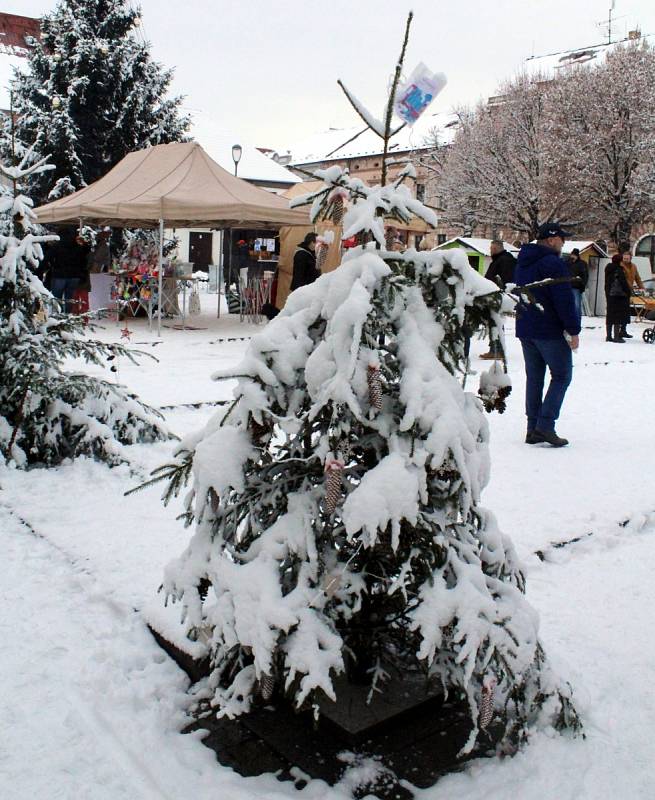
[(266, 70)]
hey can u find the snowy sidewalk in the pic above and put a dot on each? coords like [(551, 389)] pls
[(90, 707)]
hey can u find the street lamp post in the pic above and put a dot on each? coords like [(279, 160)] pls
[(237, 150)]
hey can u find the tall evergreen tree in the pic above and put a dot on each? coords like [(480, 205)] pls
[(91, 94), (47, 413)]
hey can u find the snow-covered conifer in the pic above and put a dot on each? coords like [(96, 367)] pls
[(90, 95), (341, 533), (48, 414)]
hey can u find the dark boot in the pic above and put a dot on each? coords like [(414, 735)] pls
[(550, 437), (608, 332), (624, 333), (617, 335)]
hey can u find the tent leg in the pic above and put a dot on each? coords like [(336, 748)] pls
[(220, 276), (161, 276)]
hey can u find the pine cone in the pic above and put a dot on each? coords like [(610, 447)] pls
[(389, 237), (334, 477), (321, 256), (266, 686), (338, 210), (374, 387), (486, 710), (214, 500)]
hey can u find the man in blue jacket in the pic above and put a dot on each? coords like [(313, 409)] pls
[(548, 331)]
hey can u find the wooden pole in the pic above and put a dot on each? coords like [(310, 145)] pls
[(392, 97)]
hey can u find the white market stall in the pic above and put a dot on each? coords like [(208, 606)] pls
[(177, 185)]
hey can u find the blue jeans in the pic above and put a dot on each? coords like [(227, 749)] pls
[(64, 288), (577, 297), (539, 354)]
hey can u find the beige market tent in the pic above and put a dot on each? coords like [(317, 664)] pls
[(174, 184)]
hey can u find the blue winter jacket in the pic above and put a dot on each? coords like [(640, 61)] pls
[(536, 262)]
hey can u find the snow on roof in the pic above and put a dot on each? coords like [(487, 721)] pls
[(559, 63), (480, 245), (571, 244), (320, 146), (254, 165)]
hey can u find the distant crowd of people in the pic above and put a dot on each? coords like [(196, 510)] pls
[(549, 328)]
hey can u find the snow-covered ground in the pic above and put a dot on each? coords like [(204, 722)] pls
[(90, 707)]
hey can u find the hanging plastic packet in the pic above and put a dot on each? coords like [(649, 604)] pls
[(416, 94)]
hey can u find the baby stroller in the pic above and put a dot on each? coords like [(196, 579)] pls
[(647, 309)]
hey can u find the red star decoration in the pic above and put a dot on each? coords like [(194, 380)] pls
[(126, 333)]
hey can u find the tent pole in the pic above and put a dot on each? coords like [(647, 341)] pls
[(160, 298), (220, 274)]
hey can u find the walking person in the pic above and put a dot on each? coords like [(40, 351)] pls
[(304, 263), (632, 276), (548, 331), (501, 271), (617, 294), (579, 278)]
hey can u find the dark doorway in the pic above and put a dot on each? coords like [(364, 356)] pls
[(200, 249)]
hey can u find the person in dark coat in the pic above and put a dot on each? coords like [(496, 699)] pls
[(503, 264), (501, 271), (304, 263), (579, 277), (617, 294), (548, 331), (66, 260)]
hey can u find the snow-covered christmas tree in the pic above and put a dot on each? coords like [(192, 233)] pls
[(90, 95), (339, 532), (48, 414)]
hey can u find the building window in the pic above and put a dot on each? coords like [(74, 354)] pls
[(441, 238), (420, 192)]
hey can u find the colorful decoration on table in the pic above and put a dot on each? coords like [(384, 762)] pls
[(486, 711), (416, 94), (334, 468), (374, 379)]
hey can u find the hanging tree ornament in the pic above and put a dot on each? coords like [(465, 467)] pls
[(374, 379), (333, 481), (337, 200), (56, 102), (126, 333), (266, 686), (321, 256), (486, 710)]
